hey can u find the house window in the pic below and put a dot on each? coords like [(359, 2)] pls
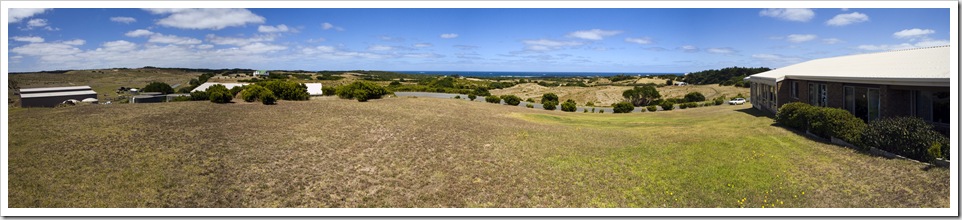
[(812, 94), (862, 102), (823, 90), (794, 89), (932, 106)]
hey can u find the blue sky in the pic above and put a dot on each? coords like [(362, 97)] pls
[(555, 40)]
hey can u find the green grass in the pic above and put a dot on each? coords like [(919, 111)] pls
[(407, 152)]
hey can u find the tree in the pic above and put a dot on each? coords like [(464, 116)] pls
[(623, 107), (694, 97), (362, 91), (569, 106), (549, 105), (254, 92), (472, 97), (492, 99), (287, 90), (158, 87), (669, 82), (641, 96), (549, 97), (511, 99)]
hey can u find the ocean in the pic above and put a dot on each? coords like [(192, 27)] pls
[(530, 74)]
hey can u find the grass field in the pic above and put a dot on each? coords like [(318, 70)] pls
[(422, 152), (608, 95)]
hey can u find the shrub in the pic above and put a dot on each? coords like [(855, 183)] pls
[(181, 99), (683, 105), (268, 98), (199, 95), (569, 106), (529, 105), (586, 111), (511, 100), (601, 111), (667, 105), (836, 122), (492, 99), (185, 89), (288, 90), (236, 89), (592, 110), (590, 104), (221, 96), (394, 83), (472, 97), (549, 97), (158, 87), (794, 115), (361, 90), (529, 100), (640, 96), (694, 97), (457, 97), (652, 108), (253, 93), (549, 105), (908, 136), (623, 107), (739, 96), (329, 90)]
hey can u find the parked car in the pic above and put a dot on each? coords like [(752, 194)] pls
[(736, 101)]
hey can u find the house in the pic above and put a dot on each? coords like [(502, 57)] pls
[(261, 73), (53, 96), (314, 89), (912, 82), (204, 86), (680, 84)]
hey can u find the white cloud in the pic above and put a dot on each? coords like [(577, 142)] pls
[(643, 40), (380, 48), (423, 45), (721, 50), (120, 45), (74, 42), (847, 19), (125, 20), (789, 14), (923, 43), (238, 41), (261, 48), (688, 48), (205, 46), (172, 39), (139, 33), (272, 29), (314, 40), (832, 41), (328, 26), (15, 15), (547, 45), (798, 38), (206, 18), (46, 49), (913, 33), (593, 34), (421, 55), (31, 39), (449, 36), (775, 58), (34, 23)]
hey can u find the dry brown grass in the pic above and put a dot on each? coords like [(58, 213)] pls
[(105, 82), (422, 152), (608, 95)]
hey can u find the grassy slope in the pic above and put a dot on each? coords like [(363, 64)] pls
[(419, 152), (104, 82), (608, 95)]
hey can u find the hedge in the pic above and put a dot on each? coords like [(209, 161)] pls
[(908, 136)]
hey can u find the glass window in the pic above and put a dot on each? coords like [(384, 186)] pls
[(823, 90), (850, 99), (923, 105), (940, 107), (812, 94), (873, 104), (794, 89)]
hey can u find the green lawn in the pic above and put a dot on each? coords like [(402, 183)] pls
[(423, 152)]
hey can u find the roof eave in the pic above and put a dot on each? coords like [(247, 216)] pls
[(932, 82)]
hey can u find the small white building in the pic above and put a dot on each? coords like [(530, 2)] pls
[(203, 87), (681, 84), (261, 73), (314, 89)]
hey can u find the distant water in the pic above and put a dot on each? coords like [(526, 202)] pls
[(528, 74)]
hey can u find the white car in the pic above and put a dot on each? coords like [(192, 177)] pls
[(736, 101)]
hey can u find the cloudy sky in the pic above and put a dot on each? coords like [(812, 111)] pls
[(563, 40)]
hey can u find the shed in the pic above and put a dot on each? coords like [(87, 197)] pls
[(204, 86), (314, 89), (261, 73), (52, 96)]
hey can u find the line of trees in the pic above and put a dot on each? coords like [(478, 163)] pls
[(730, 76)]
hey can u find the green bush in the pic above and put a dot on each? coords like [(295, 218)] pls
[(683, 105), (529, 105), (492, 99), (457, 97), (328, 90), (907, 136), (361, 90), (836, 122), (236, 89), (158, 87), (794, 115), (623, 107), (601, 111), (667, 105), (199, 95), (253, 92), (586, 110), (181, 99), (221, 96), (549, 97), (549, 105), (590, 104), (394, 83), (472, 97), (288, 90), (569, 106), (529, 100), (652, 108), (511, 100), (185, 89), (694, 97), (268, 98)]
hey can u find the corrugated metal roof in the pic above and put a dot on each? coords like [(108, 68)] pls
[(203, 87), (915, 67), (54, 89), (53, 94), (314, 88)]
